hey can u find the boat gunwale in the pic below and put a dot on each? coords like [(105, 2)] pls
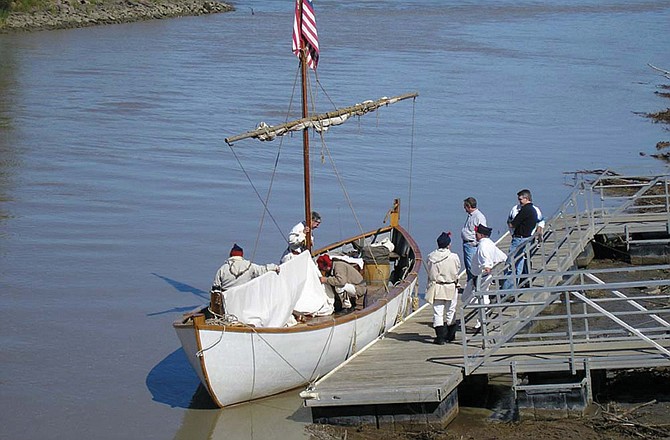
[(394, 292)]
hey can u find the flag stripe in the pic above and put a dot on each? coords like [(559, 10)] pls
[(307, 34)]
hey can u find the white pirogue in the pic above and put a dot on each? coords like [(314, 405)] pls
[(238, 363), (252, 353)]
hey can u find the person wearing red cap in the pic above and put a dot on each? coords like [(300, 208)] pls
[(343, 279), (443, 267), (236, 270)]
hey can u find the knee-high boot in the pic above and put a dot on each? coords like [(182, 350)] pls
[(451, 332), (440, 335)]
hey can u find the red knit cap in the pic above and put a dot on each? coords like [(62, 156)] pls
[(236, 251), (324, 262)]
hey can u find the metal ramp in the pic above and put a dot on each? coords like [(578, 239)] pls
[(556, 319), (558, 307)]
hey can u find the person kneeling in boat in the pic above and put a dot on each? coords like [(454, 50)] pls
[(343, 279), (298, 236), (443, 267), (234, 272)]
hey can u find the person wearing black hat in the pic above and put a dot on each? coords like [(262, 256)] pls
[(488, 254), (443, 267), (486, 257), (298, 237)]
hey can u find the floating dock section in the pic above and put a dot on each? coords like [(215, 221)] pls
[(558, 320)]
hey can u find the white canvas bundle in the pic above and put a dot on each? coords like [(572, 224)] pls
[(269, 300)]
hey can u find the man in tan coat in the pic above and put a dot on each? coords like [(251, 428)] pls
[(344, 279), (443, 267)]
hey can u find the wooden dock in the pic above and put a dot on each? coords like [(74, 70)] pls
[(405, 378), (394, 378)]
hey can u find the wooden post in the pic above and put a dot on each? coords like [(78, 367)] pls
[(395, 213), (199, 320), (305, 134)]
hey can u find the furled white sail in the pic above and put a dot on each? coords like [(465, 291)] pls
[(320, 122)]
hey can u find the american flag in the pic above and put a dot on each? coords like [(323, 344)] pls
[(304, 30)]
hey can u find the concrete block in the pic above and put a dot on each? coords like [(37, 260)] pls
[(527, 413), (585, 257)]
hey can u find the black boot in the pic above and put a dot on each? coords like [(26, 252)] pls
[(440, 335), (451, 332)]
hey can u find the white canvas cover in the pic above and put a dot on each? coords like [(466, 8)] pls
[(269, 300)]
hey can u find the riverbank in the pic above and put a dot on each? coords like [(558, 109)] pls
[(68, 14)]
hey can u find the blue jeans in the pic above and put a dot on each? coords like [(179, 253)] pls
[(516, 252), (469, 251)]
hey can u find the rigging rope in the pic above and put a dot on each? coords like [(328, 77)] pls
[(323, 351), (325, 148), (318, 82), (411, 165), (265, 202), (266, 209), (274, 173), (228, 319)]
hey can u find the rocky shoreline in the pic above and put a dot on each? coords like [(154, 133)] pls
[(68, 14)]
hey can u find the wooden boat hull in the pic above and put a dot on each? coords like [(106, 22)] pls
[(238, 363)]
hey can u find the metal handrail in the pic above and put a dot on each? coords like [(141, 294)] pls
[(566, 234), (581, 326)]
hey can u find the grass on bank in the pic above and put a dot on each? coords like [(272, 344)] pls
[(7, 6), (30, 6)]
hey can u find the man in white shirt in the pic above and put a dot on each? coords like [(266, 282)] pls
[(487, 256), (298, 235), (474, 219)]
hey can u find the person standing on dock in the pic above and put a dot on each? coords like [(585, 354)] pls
[(443, 267), (524, 225), (539, 228), (474, 219), (487, 256), (298, 235)]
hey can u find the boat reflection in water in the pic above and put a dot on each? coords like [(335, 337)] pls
[(172, 382), (281, 416)]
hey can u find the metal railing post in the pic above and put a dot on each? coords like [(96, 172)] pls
[(571, 341)]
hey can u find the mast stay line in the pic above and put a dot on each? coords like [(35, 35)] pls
[(319, 122)]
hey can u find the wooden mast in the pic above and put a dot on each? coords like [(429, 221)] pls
[(305, 133)]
